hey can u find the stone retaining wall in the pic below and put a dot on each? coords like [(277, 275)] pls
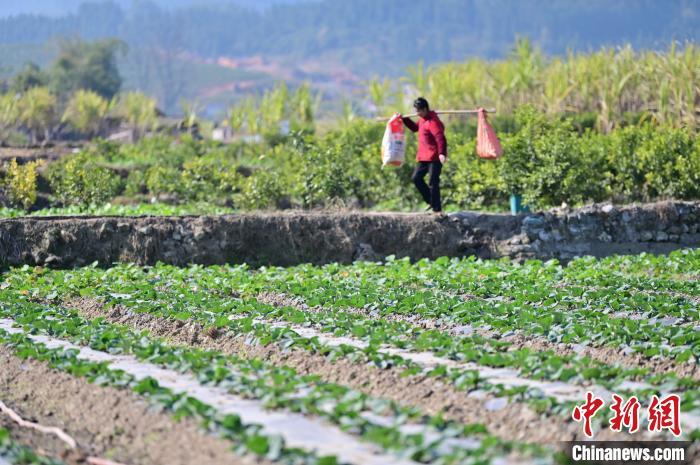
[(287, 238)]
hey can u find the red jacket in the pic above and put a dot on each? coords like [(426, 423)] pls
[(431, 137)]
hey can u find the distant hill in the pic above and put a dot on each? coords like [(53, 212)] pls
[(62, 7), (335, 44), (369, 34)]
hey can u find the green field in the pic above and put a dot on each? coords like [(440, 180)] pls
[(500, 336)]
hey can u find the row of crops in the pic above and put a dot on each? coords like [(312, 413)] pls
[(452, 361)]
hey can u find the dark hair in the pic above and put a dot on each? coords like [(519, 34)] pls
[(421, 104)]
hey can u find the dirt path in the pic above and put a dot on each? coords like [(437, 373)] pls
[(106, 422)]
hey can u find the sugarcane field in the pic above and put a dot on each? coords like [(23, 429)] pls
[(310, 232)]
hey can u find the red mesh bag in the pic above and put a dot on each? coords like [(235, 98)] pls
[(487, 144)]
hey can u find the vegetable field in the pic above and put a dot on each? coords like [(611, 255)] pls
[(451, 361)]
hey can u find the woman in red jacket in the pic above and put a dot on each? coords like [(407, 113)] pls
[(432, 152)]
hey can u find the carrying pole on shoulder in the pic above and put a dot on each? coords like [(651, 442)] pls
[(442, 112)]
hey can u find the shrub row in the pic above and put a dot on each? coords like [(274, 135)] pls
[(547, 160)]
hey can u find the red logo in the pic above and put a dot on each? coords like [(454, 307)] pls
[(586, 411), (662, 414), (665, 414), (626, 415)]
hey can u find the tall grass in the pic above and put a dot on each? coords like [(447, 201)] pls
[(609, 82)]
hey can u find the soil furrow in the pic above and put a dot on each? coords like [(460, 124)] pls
[(517, 340), (301, 432), (506, 377), (106, 422), (509, 420)]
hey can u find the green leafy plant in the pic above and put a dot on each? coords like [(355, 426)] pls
[(549, 163), (263, 189), (135, 183), (207, 178), (608, 83), (80, 180), (21, 183), (139, 110), (649, 163), (18, 454), (163, 180), (335, 403), (87, 112), (37, 112)]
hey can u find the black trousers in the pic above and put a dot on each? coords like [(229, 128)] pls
[(431, 191)]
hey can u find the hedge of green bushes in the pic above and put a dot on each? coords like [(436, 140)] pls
[(547, 160)]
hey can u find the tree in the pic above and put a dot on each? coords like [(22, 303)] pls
[(89, 66), (379, 93), (139, 110), (273, 108), (87, 112), (156, 58), (302, 108), (252, 115), (37, 112), (418, 78), (236, 118), (21, 183), (190, 118), (30, 76), (347, 114), (9, 111)]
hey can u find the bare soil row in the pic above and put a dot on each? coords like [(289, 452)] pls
[(518, 340), (111, 423), (513, 421)]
